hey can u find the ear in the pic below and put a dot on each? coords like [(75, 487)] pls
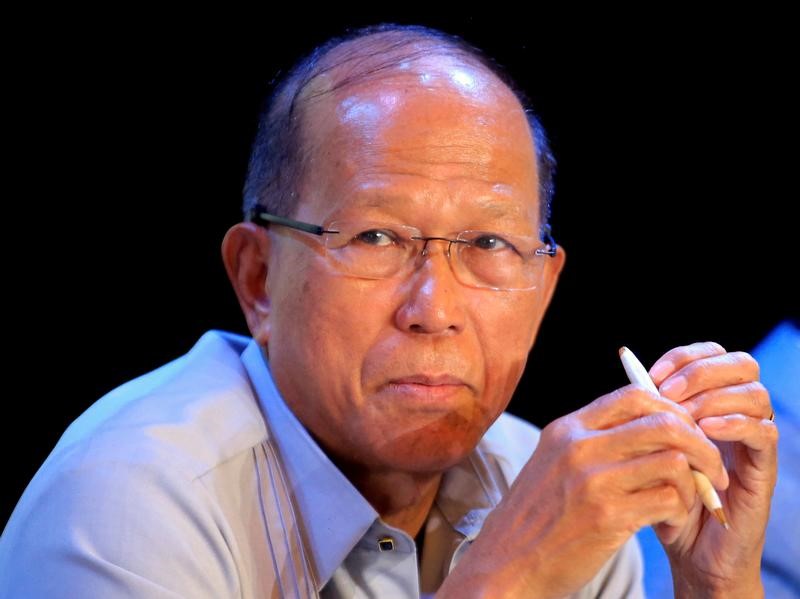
[(553, 268), (245, 252)]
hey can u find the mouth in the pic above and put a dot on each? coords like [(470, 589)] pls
[(427, 388), (429, 380)]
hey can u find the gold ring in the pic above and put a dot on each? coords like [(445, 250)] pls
[(772, 416)]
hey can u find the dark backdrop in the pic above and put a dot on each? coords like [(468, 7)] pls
[(677, 154)]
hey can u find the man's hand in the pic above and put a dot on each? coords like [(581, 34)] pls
[(596, 477), (722, 393)]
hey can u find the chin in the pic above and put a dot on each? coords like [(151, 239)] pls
[(426, 453)]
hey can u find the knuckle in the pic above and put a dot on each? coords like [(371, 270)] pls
[(758, 388), (759, 396), (668, 499), (635, 398), (745, 360), (741, 356), (554, 430), (700, 349), (577, 453), (772, 433), (714, 347), (698, 371), (629, 399), (622, 395), (675, 462), (668, 423), (604, 514), (679, 355), (680, 412), (673, 499), (560, 431)]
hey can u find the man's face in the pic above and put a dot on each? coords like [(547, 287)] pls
[(444, 149)]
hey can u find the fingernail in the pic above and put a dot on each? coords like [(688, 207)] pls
[(674, 387), (662, 369)]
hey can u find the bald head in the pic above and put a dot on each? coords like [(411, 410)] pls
[(383, 61)]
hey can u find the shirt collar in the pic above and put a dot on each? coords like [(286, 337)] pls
[(470, 490), (335, 516)]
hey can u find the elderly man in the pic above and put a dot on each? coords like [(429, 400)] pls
[(393, 273)]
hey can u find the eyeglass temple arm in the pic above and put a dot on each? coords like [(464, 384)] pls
[(258, 214)]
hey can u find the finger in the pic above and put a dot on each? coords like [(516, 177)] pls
[(750, 399), (626, 404), (668, 534), (710, 373), (657, 504), (669, 467), (678, 357), (758, 434), (662, 431)]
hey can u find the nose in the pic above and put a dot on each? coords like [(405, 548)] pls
[(433, 301)]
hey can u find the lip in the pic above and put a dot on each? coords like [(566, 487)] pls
[(430, 380), (428, 390)]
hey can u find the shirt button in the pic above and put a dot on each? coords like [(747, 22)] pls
[(386, 544)]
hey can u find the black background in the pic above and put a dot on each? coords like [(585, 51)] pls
[(676, 138)]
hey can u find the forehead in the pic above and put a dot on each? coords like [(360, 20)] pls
[(438, 126)]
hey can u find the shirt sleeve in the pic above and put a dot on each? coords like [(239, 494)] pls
[(111, 529), (621, 577)]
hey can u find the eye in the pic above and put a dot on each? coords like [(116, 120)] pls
[(377, 237), (491, 243)]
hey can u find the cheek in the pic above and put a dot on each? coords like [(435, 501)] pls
[(507, 328), (344, 312), (327, 323)]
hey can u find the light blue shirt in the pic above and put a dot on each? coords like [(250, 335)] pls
[(196, 480)]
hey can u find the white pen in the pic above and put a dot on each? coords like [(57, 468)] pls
[(638, 376)]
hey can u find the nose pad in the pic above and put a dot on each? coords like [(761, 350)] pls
[(420, 260), (427, 239)]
